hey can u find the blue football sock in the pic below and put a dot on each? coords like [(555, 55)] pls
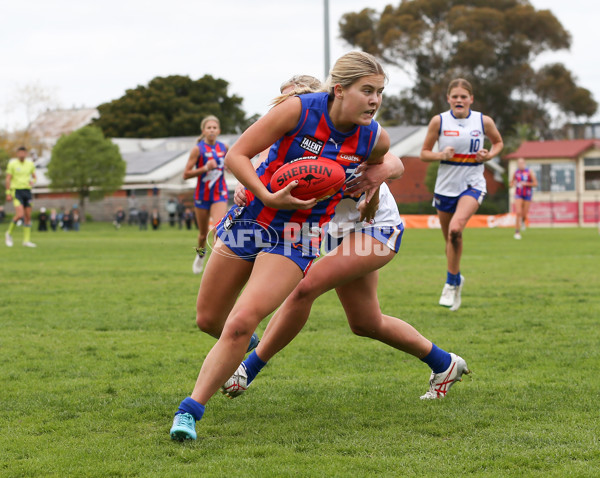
[(191, 406), (253, 364), (438, 360), (453, 279)]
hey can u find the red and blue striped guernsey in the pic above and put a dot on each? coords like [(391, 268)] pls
[(314, 135), (211, 185), (523, 176)]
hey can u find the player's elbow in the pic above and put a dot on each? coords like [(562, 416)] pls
[(425, 156), (399, 170), (230, 160)]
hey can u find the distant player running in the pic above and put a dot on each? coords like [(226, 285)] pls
[(20, 177), (460, 185), (524, 179), (207, 163)]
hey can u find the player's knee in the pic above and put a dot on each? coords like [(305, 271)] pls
[(360, 329), (240, 325), (304, 291), (455, 235), (363, 326), (205, 322)]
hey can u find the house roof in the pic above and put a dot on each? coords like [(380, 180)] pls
[(144, 162), (400, 133), (406, 141), (572, 148)]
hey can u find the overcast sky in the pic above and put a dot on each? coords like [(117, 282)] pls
[(88, 53)]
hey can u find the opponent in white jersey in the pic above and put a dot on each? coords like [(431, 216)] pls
[(356, 251), (387, 220), (463, 170), (460, 185)]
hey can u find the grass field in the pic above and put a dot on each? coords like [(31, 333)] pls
[(98, 346)]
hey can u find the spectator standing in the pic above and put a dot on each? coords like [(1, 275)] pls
[(43, 220), (143, 218), (75, 219), (67, 221), (189, 218), (172, 210), (119, 218), (180, 213), (53, 219), (133, 209), (155, 219)]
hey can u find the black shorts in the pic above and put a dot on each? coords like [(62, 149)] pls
[(24, 197)]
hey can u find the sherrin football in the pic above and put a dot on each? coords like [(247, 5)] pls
[(317, 177)]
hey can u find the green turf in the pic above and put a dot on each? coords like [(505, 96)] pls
[(98, 346)]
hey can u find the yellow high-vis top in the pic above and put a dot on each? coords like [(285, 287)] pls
[(21, 173)]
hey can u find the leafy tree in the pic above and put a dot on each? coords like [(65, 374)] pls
[(171, 106), (492, 44), (87, 163), (523, 132)]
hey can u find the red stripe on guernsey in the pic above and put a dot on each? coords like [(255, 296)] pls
[(216, 192), (350, 144), (323, 130), (198, 179), (299, 217), (330, 211), (266, 216), (199, 183)]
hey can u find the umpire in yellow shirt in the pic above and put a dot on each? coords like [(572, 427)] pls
[(20, 177)]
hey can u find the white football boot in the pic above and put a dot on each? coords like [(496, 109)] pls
[(457, 293), (198, 264), (8, 239), (447, 298), (237, 384), (440, 383), (29, 244)]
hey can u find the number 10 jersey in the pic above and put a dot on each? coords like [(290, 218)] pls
[(462, 171)]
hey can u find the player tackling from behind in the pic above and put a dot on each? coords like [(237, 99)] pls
[(339, 120), (460, 185), (358, 250), (20, 178)]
